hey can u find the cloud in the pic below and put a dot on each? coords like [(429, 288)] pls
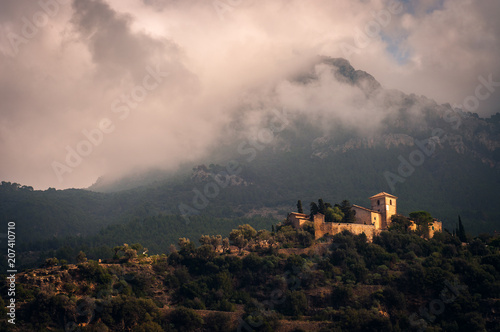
[(448, 46), (89, 61)]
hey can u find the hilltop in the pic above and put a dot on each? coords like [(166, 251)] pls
[(272, 281)]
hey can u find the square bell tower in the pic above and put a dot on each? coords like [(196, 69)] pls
[(385, 204)]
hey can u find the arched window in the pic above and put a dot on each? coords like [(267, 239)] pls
[(390, 202), (378, 201)]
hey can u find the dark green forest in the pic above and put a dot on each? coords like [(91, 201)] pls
[(268, 280)]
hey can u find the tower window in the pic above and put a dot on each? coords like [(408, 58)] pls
[(378, 202), (390, 202)]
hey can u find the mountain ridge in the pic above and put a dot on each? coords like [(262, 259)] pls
[(311, 157)]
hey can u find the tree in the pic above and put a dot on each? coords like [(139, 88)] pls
[(297, 303), (144, 327), (128, 251), (130, 254), (299, 207), (206, 252), (313, 209), (349, 214), (185, 243), (204, 239), (3, 309), (333, 214), (321, 206), (137, 247), (218, 322), (81, 257), (117, 249), (461, 231), (238, 239), (185, 319), (400, 223), (422, 219), (263, 235), (305, 239), (51, 261), (247, 231), (216, 241), (225, 244), (186, 247)]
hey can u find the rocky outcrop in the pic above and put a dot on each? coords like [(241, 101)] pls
[(203, 174), (325, 145)]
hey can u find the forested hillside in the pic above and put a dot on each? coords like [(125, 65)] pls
[(271, 281)]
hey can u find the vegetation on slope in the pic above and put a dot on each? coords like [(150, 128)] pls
[(268, 281)]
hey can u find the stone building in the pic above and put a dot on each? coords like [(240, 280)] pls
[(434, 226), (368, 221), (297, 219)]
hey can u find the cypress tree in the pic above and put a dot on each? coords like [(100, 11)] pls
[(313, 208), (299, 207), (321, 206), (461, 231)]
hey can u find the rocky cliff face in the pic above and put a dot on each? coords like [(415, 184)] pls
[(218, 173), (325, 145), (412, 117)]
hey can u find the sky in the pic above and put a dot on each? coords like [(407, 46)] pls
[(106, 87)]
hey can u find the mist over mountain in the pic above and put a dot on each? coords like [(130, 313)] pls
[(331, 108), (153, 151), (139, 85), (290, 143), (188, 118)]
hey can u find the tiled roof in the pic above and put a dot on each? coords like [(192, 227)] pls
[(299, 214), (363, 208), (382, 194)]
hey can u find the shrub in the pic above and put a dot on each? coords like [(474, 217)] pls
[(185, 319)]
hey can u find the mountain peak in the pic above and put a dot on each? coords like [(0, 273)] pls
[(346, 73)]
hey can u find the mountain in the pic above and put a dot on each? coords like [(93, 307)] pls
[(433, 157)]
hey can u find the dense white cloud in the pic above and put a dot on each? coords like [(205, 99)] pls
[(65, 66)]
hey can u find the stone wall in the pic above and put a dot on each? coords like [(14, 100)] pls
[(297, 219), (323, 228), (368, 221), (367, 217), (363, 216), (435, 226)]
